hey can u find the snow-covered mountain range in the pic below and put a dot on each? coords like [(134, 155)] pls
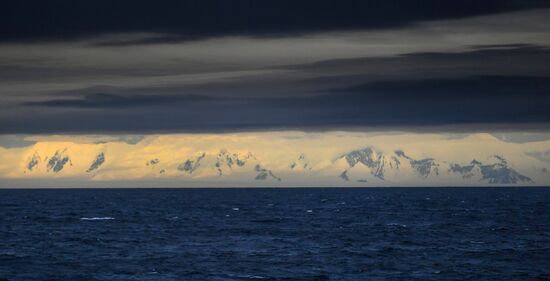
[(279, 159)]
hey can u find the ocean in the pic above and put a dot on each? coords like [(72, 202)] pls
[(275, 234)]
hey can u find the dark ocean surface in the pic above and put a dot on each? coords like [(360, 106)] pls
[(275, 234)]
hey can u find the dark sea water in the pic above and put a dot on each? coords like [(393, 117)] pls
[(276, 234)]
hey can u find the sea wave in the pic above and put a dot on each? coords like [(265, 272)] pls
[(97, 218)]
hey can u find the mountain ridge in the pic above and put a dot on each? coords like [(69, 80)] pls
[(365, 162)]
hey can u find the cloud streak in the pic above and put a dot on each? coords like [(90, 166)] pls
[(102, 100), (191, 20)]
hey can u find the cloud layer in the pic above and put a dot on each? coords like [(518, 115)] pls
[(221, 66)]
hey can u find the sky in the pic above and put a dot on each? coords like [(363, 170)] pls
[(131, 67)]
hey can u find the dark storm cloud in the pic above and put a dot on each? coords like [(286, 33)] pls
[(475, 89), (477, 99), (186, 20), (103, 100), (497, 84), (386, 67), (481, 59), (395, 103)]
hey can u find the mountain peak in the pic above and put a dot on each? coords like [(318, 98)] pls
[(57, 162), (99, 160)]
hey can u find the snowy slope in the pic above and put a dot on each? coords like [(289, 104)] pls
[(283, 159)]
